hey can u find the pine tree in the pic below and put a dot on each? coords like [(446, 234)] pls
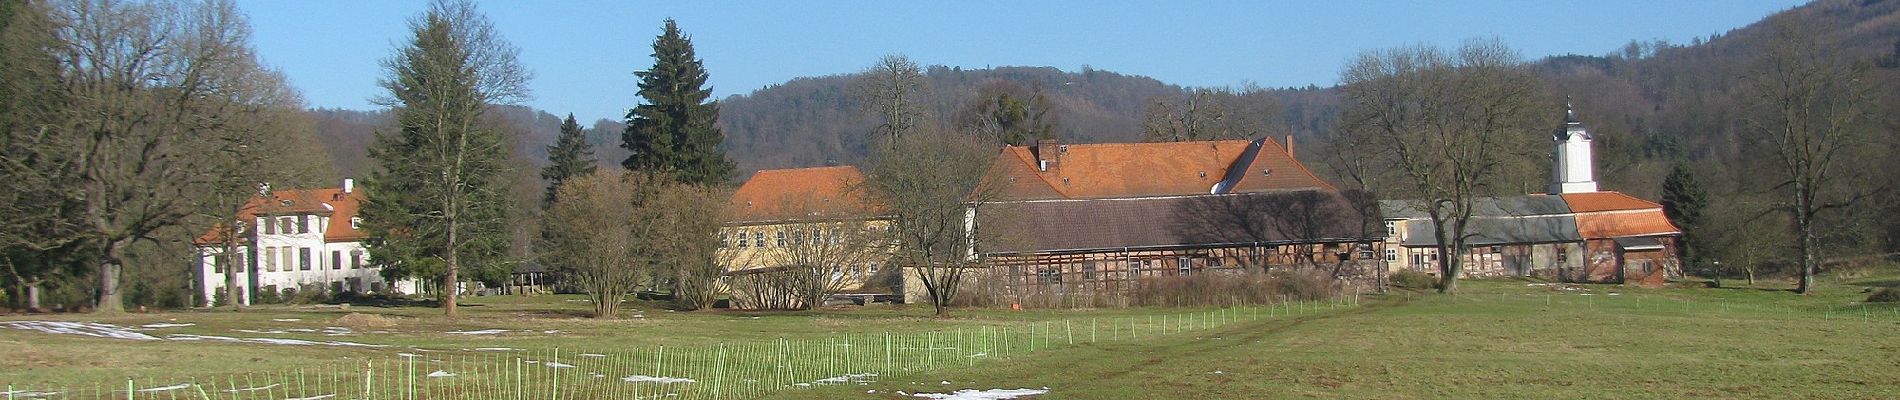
[(673, 131), (570, 156), (1683, 200), (438, 202)]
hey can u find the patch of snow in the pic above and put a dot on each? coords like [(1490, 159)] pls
[(553, 331), (165, 325), (655, 379), (317, 397), (252, 389), (28, 394), (480, 332), (557, 364), (1616, 294), (593, 355), (440, 374), (495, 349), (991, 394), (946, 382), (407, 355), (846, 378), (92, 329), (286, 319), (165, 388), (979, 355)]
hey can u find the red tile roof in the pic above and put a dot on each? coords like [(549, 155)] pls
[(799, 193), (1606, 201), (331, 202), (1121, 170)]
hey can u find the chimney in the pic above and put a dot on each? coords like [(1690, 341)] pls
[(1048, 154), (1289, 147), (349, 185)]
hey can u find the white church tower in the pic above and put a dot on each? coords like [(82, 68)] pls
[(1573, 171)]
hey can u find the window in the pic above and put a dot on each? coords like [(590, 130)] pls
[(758, 239), (336, 259), (356, 259), (741, 242), (303, 258), (270, 259), (780, 235), (723, 239), (798, 237), (303, 224), (269, 228), (356, 222), (873, 268), (1214, 262), (1393, 255), (323, 224), (1048, 275), (1392, 228), (283, 225), (1563, 255), (1088, 270), (217, 263), (1186, 265)]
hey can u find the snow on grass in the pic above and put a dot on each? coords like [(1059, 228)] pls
[(655, 379), (495, 349), (165, 388), (480, 332), (286, 319), (317, 397), (165, 325), (440, 374), (557, 364), (846, 378), (92, 329), (27, 394), (593, 355), (253, 389), (991, 394)]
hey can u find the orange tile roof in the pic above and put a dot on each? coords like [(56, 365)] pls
[(1117, 170), (1624, 223), (332, 202), (795, 193), (1606, 201)]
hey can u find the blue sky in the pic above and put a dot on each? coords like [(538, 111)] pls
[(583, 53)]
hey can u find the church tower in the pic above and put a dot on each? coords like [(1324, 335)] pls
[(1573, 171)]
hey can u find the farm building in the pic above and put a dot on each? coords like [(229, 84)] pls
[(794, 228), (1101, 216), (1576, 233), (305, 239)]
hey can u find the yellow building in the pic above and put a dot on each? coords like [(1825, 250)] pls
[(796, 237)]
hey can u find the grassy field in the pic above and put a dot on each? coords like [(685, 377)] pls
[(1497, 339)]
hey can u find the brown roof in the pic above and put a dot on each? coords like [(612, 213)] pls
[(332, 202), (1625, 223), (1048, 226), (1120, 170), (799, 193), (1606, 201)]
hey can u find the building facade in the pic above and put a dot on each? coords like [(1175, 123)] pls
[(796, 228), (303, 239)]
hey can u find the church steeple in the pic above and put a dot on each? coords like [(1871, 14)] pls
[(1573, 170)]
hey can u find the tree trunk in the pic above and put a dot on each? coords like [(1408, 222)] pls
[(33, 296), (111, 301), (234, 270), (1804, 221)]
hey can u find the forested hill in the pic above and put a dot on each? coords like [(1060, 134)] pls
[(1650, 103)]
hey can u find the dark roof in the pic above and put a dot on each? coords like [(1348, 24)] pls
[(1487, 231), (1056, 226), (1511, 206)]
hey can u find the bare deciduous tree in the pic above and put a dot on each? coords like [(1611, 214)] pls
[(1812, 119), (933, 185), (596, 236), (894, 90), (1452, 125)]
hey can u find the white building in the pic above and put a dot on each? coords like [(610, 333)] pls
[(304, 239)]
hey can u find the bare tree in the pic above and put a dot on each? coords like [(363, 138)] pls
[(894, 90), (1213, 114), (830, 253), (1451, 124), (934, 185), (150, 86), (597, 235), (688, 244), (1812, 116)]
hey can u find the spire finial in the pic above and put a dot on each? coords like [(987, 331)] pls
[(1570, 111)]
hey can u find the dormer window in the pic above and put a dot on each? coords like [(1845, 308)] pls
[(356, 222)]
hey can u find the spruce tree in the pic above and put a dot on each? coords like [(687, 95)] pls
[(437, 205), (570, 156), (1683, 200), (673, 131)]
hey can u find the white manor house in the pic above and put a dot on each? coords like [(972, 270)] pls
[(302, 239)]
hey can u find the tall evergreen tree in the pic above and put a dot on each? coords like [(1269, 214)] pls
[(673, 131), (570, 156), (438, 203), (1683, 200)]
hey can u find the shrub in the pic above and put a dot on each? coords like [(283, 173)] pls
[(1410, 279), (1884, 295)]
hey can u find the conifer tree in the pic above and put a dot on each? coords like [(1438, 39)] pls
[(673, 131), (570, 156), (438, 202), (1683, 200)]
